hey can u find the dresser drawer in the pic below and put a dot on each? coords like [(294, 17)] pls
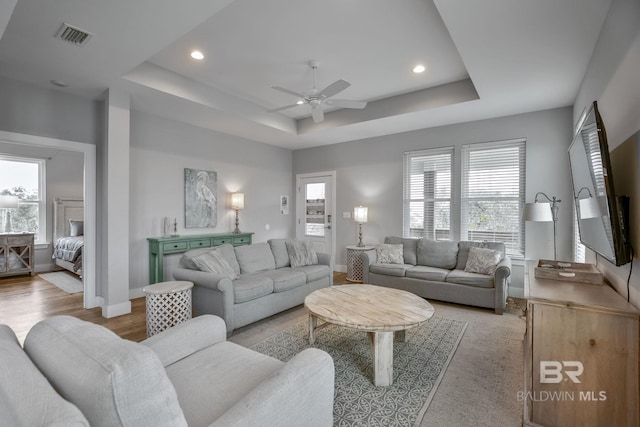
[(244, 240), (201, 243), (222, 241), (174, 246)]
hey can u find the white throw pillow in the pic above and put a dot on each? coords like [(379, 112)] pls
[(214, 262), (389, 254), (301, 253), (76, 227), (482, 260)]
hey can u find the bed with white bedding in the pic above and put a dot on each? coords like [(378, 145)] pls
[(68, 234)]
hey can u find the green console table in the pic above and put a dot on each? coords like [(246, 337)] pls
[(161, 246)]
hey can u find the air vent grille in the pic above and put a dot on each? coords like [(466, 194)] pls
[(73, 35)]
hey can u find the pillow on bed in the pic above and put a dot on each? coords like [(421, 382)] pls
[(76, 227)]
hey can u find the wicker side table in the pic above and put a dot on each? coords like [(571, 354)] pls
[(168, 303), (354, 263)]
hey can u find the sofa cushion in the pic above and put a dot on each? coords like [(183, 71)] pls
[(251, 286), (409, 248), (440, 254), (211, 381), (285, 279), (427, 273), (301, 253), (472, 279), (482, 260), (111, 380), (226, 250), (279, 250), (254, 258), (26, 397), (464, 246), (397, 270), (214, 262), (389, 254), (314, 272)]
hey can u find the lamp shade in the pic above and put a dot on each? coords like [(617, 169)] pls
[(537, 212), (593, 207), (9, 202), (360, 214), (237, 200)]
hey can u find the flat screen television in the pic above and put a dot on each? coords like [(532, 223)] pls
[(602, 215)]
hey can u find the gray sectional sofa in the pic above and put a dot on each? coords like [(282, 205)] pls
[(436, 270), (266, 282), (76, 373)]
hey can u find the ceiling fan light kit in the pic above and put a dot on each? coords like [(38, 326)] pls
[(316, 99)]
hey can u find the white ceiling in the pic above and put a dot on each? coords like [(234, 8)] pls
[(485, 59)]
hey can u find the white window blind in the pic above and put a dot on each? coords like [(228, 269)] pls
[(427, 193), (492, 193)]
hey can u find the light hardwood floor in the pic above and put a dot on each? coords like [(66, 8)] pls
[(25, 300)]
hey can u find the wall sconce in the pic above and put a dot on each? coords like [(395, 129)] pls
[(543, 212), (360, 216), (8, 202), (237, 203), (591, 207)]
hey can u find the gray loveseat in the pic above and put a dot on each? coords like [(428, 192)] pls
[(436, 270), (76, 373), (266, 284)]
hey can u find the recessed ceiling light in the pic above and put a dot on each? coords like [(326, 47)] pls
[(59, 83), (300, 102), (196, 54), (419, 69)]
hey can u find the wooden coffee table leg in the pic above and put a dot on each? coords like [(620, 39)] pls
[(382, 349), (313, 323)]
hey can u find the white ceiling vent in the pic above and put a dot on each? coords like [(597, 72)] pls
[(73, 35)]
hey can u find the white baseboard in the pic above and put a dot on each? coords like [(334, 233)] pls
[(110, 311), (136, 293), (516, 292), (42, 268), (340, 268)]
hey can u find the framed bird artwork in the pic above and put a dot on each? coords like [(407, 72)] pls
[(200, 198)]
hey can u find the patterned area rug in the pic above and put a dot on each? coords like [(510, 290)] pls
[(418, 366), (65, 281)]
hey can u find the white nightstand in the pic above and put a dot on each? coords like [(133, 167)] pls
[(354, 263)]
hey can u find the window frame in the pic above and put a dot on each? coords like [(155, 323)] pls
[(41, 235), (407, 200), (466, 151)]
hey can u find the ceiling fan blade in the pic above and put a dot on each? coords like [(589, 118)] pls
[(273, 110), (290, 92), (346, 103), (317, 114), (334, 88)]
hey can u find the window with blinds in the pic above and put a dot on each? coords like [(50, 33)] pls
[(427, 193), (492, 193)]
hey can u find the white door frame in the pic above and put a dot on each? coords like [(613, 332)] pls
[(90, 245), (300, 207)]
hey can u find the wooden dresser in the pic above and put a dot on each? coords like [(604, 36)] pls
[(161, 246), (581, 355), (17, 254)]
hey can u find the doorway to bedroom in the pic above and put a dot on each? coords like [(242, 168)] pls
[(68, 208)]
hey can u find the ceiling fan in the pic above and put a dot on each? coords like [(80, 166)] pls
[(317, 98)]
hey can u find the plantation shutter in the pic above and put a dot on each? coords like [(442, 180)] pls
[(492, 194), (427, 193)]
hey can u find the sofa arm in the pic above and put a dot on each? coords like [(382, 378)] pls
[(204, 279), (298, 394), (368, 258), (326, 259), (501, 282), (186, 338)]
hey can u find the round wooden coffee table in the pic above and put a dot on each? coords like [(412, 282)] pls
[(374, 309)]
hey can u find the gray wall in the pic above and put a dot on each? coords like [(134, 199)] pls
[(161, 149), (369, 172), (612, 80)]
